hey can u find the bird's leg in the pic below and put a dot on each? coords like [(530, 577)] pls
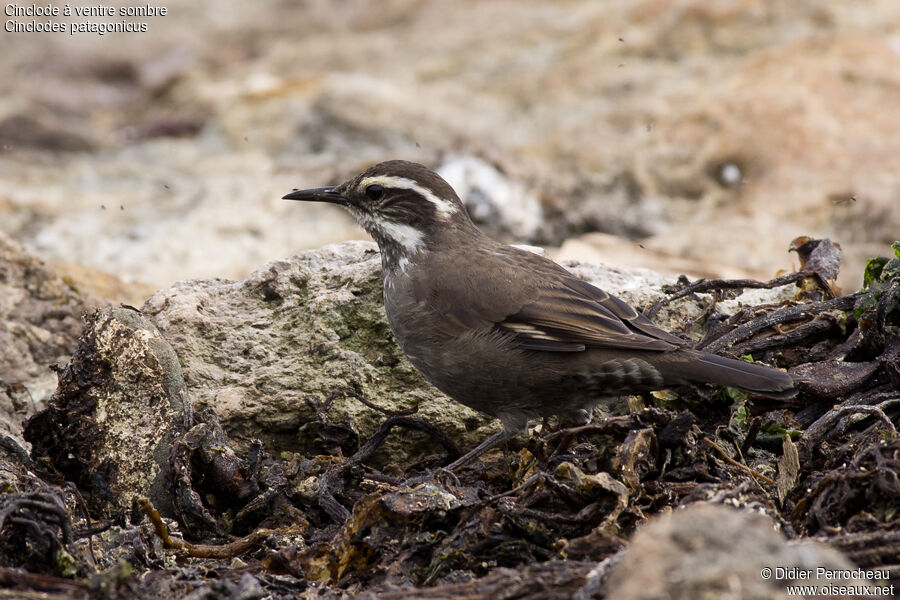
[(479, 450)]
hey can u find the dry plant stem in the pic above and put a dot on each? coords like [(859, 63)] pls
[(510, 509), (331, 480), (822, 427), (540, 475), (869, 410), (794, 337), (90, 531), (706, 285), (735, 463), (46, 582), (868, 549), (752, 432), (778, 317), (229, 550), (889, 403), (614, 424)]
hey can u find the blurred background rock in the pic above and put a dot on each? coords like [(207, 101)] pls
[(680, 135)]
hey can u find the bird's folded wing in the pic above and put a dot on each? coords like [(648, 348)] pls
[(564, 319), (549, 310)]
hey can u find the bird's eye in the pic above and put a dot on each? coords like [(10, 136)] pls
[(375, 192)]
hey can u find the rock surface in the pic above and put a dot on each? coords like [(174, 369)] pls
[(708, 551), (40, 321), (120, 403)]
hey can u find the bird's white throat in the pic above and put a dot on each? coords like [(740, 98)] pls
[(397, 241), (406, 236)]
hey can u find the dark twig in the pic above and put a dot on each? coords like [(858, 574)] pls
[(533, 479), (619, 424), (752, 432), (867, 549), (790, 338), (869, 410), (43, 582), (507, 507), (706, 285), (822, 427), (89, 531), (778, 317), (331, 480), (92, 530)]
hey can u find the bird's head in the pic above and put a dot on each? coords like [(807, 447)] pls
[(406, 207)]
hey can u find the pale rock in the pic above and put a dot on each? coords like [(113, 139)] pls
[(711, 551), (504, 206)]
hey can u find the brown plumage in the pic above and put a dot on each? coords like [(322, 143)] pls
[(506, 331)]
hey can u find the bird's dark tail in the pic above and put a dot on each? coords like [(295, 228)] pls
[(703, 367)]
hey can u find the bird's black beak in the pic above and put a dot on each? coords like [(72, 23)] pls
[(325, 194)]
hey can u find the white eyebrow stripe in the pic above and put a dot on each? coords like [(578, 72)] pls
[(444, 207)]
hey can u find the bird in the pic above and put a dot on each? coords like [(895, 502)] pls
[(506, 331)]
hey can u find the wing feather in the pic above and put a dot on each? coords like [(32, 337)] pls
[(541, 305)]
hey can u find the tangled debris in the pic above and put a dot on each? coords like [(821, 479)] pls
[(550, 516)]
